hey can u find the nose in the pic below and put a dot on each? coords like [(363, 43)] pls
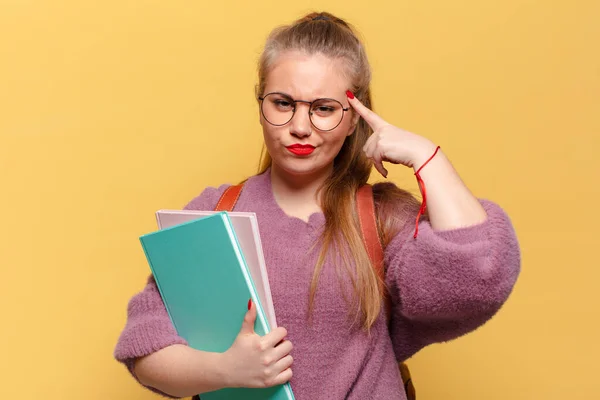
[(300, 124)]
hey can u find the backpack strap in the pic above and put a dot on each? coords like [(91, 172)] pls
[(229, 198), (368, 226)]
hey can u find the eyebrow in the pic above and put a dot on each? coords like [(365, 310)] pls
[(316, 98)]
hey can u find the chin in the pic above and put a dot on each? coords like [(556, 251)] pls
[(299, 167)]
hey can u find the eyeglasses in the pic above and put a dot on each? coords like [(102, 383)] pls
[(279, 109)]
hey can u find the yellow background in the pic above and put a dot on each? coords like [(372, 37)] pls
[(110, 110)]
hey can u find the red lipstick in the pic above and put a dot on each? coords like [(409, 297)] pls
[(301, 149)]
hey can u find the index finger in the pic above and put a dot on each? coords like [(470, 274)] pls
[(374, 120)]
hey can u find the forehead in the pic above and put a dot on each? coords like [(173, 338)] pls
[(307, 77)]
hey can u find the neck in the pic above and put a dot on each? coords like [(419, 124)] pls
[(298, 189)]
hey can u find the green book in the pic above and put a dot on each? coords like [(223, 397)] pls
[(205, 284)]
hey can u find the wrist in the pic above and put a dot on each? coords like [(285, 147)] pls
[(223, 369), (423, 153)]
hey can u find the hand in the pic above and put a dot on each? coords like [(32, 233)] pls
[(258, 361), (389, 143)]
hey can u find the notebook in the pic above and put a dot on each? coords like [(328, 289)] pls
[(205, 283), (245, 226)]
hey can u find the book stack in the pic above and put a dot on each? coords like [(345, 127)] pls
[(207, 265)]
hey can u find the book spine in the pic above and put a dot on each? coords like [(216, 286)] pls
[(261, 316)]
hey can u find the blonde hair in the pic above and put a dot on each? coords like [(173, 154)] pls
[(333, 37)]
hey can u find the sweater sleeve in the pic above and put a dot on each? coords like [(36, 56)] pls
[(444, 284), (149, 327)]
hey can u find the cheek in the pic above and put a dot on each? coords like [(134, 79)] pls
[(340, 134), (335, 139), (345, 129), (270, 134)]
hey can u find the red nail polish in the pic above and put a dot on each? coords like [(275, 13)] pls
[(249, 304), (349, 94)]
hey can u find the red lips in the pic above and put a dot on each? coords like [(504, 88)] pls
[(301, 149)]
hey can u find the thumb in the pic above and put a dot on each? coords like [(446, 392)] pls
[(249, 318)]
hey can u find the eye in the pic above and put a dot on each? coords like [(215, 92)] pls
[(324, 109), (281, 103)]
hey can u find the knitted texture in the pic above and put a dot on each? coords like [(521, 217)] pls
[(443, 285)]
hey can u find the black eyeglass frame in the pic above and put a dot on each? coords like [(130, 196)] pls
[(310, 103)]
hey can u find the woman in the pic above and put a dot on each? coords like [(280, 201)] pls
[(445, 275)]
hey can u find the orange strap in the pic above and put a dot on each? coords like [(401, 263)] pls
[(368, 225), (229, 198)]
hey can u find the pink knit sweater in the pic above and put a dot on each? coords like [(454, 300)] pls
[(443, 285)]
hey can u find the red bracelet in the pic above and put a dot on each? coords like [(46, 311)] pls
[(423, 192)]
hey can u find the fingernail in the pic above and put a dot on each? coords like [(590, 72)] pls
[(349, 94), (249, 304)]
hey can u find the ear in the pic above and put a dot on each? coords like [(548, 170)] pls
[(355, 118)]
